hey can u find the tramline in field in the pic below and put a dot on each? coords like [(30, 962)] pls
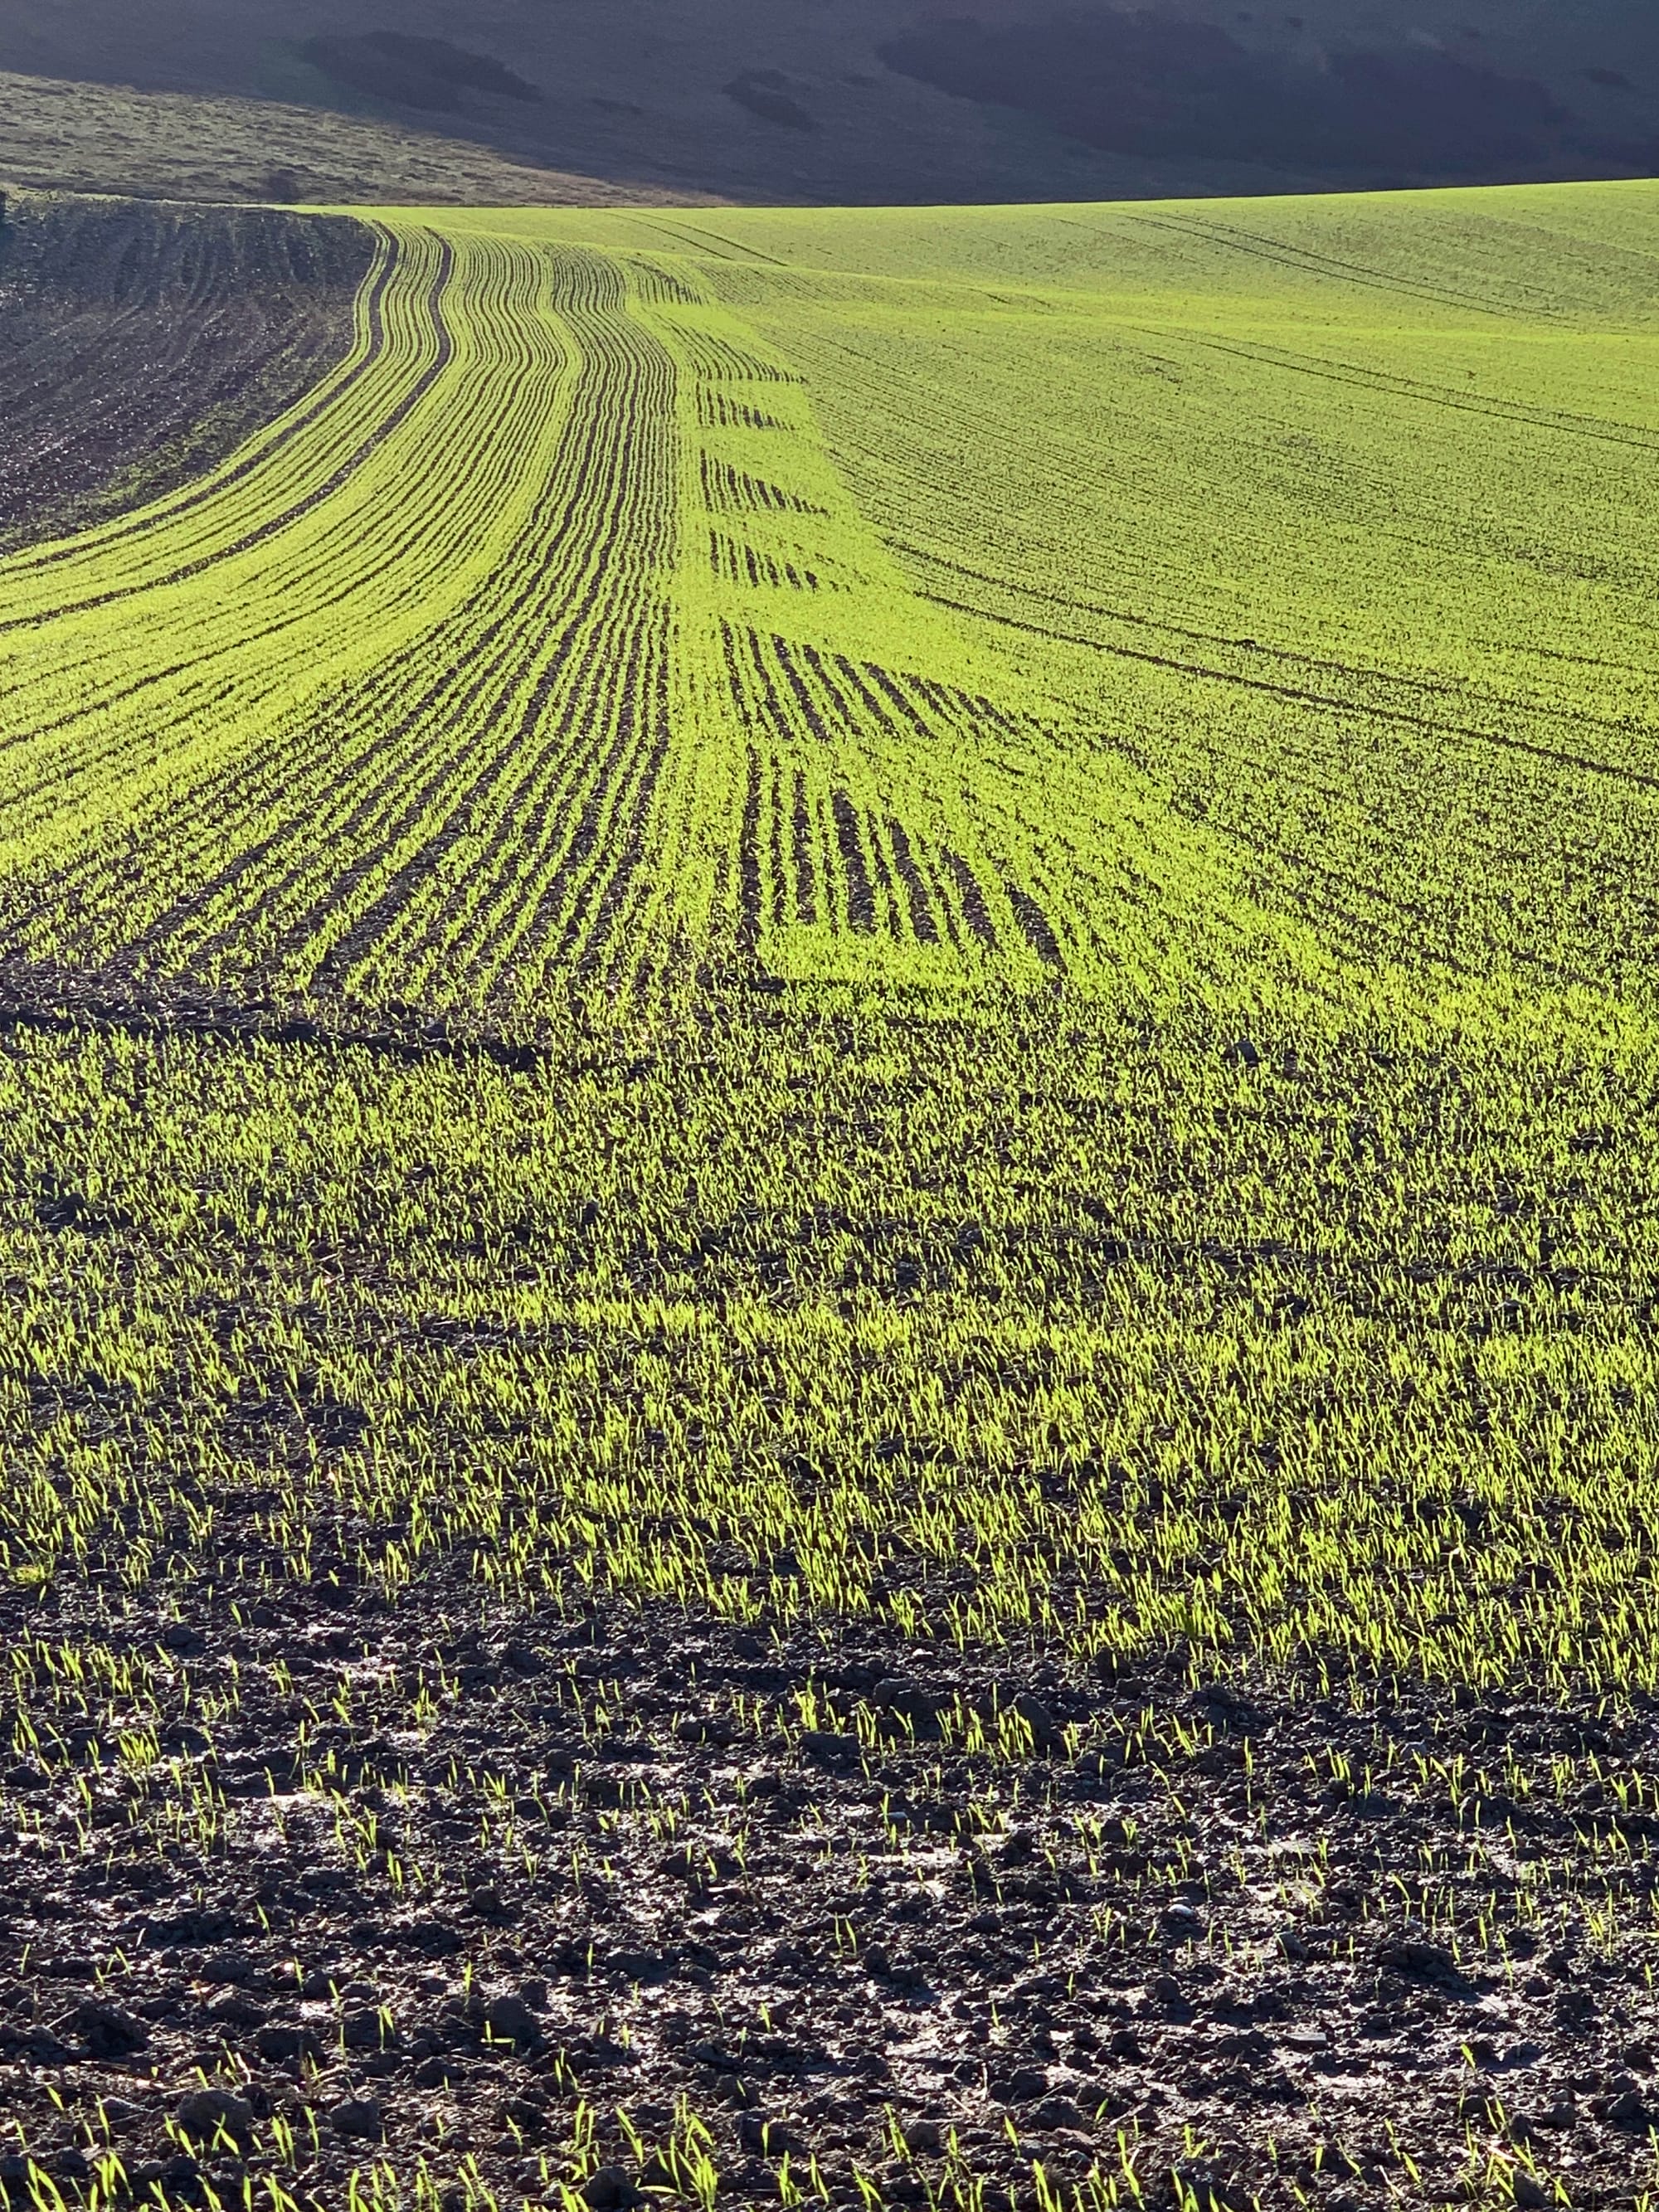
[(626, 673)]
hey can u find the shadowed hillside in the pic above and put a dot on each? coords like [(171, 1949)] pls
[(1165, 86), (857, 101)]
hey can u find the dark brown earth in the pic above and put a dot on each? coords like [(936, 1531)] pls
[(538, 1898), (141, 343)]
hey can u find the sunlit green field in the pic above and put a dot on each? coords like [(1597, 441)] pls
[(940, 916)]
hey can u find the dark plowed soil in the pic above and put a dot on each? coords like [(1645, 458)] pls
[(142, 343), (595, 1899)]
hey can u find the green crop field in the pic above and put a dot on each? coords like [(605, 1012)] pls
[(921, 934)]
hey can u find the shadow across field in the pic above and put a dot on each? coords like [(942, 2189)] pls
[(413, 72), (48, 1002)]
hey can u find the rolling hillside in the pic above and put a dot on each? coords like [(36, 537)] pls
[(833, 100), (828, 1061)]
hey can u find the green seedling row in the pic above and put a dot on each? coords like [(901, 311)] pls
[(940, 918)]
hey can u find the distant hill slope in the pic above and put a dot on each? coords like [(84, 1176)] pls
[(73, 136), (867, 100)]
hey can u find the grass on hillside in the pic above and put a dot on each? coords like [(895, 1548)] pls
[(60, 134)]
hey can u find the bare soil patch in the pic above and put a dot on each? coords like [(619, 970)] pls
[(511, 1891), (139, 344)]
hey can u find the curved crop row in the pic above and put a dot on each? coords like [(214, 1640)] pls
[(422, 697), (1059, 904)]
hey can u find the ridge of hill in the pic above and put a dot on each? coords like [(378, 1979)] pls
[(64, 135), (830, 101)]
